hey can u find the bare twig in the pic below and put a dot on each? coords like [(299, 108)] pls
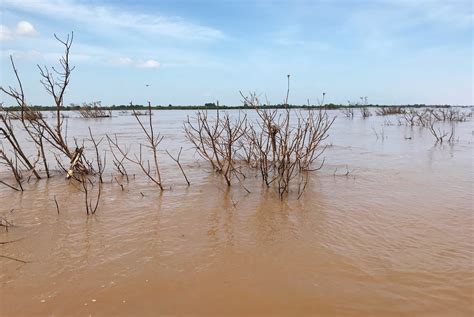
[(57, 205), (179, 164), (12, 258)]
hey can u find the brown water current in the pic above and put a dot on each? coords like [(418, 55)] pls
[(394, 237)]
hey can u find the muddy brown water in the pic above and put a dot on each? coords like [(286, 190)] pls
[(392, 238)]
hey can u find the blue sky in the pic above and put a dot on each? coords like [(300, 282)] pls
[(192, 52)]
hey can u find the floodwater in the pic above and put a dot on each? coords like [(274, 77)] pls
[(393, 237)]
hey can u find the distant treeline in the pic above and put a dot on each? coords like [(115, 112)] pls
[(214, 106)]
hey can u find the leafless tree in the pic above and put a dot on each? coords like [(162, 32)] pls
[(55, 81)]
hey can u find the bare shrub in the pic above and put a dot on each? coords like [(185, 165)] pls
[(217, 140), (286, 151), (418, 117), (442, 135), (99, 171), (450, 114), (348, 112), (410, 117), (28, 115), (88, 185), (176, 159), (386, 111), (118, 162), (365, 112), (282, 150), (153, 140), (94, 110), (13, 167), (424, 117), (414, 117), (55, 81)]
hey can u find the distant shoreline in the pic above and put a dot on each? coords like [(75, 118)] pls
[(143, 107)]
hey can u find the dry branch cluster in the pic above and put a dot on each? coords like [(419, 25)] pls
[(45, 134), (386, 111), (151, 170), (94, 110), (49, 137), (429, 118), (281, 144), (218, 141), (365, 112), (348, 112), (451, 115), (426, 117)]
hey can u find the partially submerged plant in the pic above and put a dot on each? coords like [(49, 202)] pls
[(94, 110), (42, 132), (449, 114), (88, 184), (348, 112), (285, 149), (217, 141), (365, 112), (153, 140), (386, 111), (282, 150), (442, 135)]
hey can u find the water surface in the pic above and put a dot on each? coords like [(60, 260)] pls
[(394, 237)]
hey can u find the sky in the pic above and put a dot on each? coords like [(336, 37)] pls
[(197, 51)]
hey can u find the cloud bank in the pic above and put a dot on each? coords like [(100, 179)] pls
[(174, 27)]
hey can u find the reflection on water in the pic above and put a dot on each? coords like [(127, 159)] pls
[(392, 238)]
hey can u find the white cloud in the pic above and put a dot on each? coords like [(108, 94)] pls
[(148, 64), (25, 28), (126, 61), (5, 33), (115, 17), (121, 61)]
